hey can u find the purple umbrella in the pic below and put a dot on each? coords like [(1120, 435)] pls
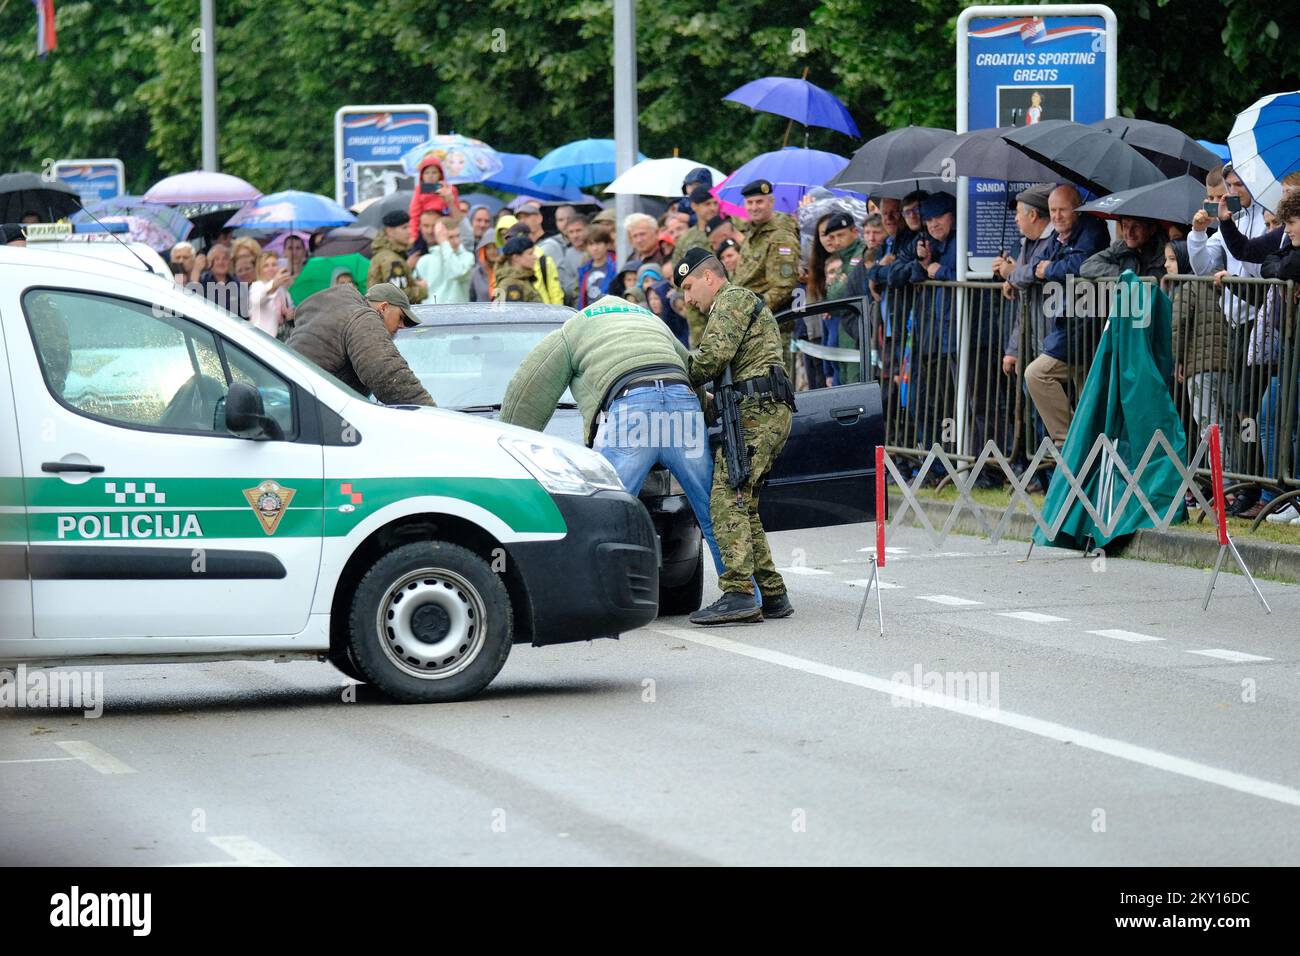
[(792, 172), (202, 188), (798, 100)]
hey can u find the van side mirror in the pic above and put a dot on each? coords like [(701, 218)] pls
[(246, 417)]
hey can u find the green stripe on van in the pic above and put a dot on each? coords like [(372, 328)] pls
[(139, 508)]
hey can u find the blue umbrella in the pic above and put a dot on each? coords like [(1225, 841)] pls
[(513, 178), (291, 210), (463, 160), (585, 162), (1265, 144), (165, 218), (1218, 149), (798, 100), (792, 172)]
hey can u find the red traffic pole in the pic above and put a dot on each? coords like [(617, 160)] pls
[(1216, 471)]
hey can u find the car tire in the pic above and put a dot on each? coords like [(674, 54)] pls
[(685, 598), (342, 660), (430, 622)]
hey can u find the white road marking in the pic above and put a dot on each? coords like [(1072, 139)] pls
[(947, 599), (1237, 657), (246, 852), (802, 570), (1033, 617), (41, 760), (883, 585), (1050, 730), (92, 755), (1131, 636)]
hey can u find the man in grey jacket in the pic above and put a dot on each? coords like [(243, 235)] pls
[(1141, 247), (352, 338), (1017, 274)]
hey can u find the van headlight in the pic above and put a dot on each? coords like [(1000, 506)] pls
[(564, 471)]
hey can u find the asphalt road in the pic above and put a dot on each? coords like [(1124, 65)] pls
[(1086, 714)]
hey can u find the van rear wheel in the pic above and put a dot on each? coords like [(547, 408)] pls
[(430, 622)]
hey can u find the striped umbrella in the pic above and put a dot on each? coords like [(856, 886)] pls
[(1265, 145)]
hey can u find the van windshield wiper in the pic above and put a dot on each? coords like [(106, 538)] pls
[(479, 408), (566, 404)]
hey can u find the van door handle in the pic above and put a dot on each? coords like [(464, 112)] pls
[(58, 467), (847, 415)]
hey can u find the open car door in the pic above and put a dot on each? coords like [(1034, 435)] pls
[(827, 471)]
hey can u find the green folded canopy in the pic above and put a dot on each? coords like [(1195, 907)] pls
[(1126, 397), (318, 274)]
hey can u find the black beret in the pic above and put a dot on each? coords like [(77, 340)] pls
[(690, 262), (701, 194), (759, 187), (396, 218), (840, 220), (727, 243), (517, 245), (717, 222)]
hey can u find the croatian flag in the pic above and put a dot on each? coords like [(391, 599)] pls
[(46, 38), (1033, 30)]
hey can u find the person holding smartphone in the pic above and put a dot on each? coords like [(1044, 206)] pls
[(433, 192)]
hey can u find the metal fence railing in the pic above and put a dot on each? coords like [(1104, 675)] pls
[(940, 351)]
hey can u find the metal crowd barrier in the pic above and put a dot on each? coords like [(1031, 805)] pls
[(1236, 364)]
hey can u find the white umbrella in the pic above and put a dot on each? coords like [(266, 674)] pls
[(659, 177)]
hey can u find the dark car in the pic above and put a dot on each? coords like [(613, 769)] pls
[(466, 355)]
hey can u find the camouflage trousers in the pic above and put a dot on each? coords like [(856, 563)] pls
[(736, 527)]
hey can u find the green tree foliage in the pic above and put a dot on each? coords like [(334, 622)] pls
[(529, 75)]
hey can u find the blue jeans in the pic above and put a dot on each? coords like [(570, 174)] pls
[(662, 424), (1269, 412)]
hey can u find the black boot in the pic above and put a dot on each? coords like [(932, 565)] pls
[(777, 605), (734, 607)]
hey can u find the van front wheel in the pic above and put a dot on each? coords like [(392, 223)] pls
[(430, 622)]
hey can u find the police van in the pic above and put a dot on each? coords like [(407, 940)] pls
[(176, 485)]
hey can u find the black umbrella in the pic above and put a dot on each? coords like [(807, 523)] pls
[(209, 218), (1089, 157), (1174, 200), (373, 215), (901, 187), (23, 193), (889, 157), (1172, 151), (983, 154), (345, 240)]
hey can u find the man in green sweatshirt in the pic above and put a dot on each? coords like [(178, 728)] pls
[(627, 373)]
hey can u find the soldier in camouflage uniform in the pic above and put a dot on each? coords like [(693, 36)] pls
[(769, 258), (742, 333), (388, 256), (515, 277), (705, 207), (839, 234)]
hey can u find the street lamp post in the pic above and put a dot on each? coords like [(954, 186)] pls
[(625, 144), (208, 81)]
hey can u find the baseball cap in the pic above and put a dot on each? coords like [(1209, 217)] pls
[(387, 292)]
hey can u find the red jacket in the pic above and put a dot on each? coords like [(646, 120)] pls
[(421, 201)]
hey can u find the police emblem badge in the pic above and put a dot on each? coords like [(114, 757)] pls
[(269, 501)]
